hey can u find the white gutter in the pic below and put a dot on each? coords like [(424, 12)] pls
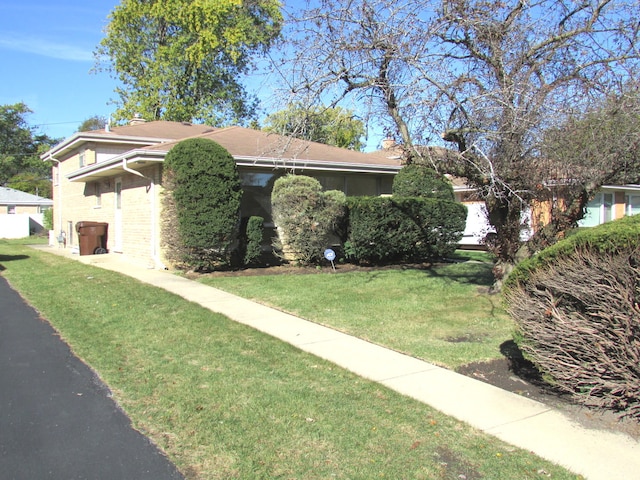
[(126, 168), (307, 164)]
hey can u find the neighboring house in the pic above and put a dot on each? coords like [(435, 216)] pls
[(611, 203), (21, 213), (115, 176)]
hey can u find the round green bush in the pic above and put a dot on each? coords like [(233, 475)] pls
[(254, 233), (416, 180), (307, 218), (384, 230)]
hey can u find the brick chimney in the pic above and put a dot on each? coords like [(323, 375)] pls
[(388, 143)]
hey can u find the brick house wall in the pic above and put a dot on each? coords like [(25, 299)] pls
[(96, 201)]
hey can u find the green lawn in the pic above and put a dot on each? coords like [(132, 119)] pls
[(442, 315), (225, 401)]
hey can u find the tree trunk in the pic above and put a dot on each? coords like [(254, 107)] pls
[(505, 216)]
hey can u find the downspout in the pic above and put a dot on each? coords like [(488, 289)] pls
[(154, 230), (59, 190)]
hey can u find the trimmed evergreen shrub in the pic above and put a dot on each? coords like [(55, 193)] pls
[(417, 180), (576, 306), (207, 193), (173, 248), (306, 217), (384, 230), (254, 234)]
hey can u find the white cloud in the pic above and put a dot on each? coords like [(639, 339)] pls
[(39, 46)]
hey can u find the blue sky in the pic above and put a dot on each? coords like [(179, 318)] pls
[(46, 55), (46, 59)]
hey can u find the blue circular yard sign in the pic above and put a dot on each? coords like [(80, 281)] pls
[(329, 254)]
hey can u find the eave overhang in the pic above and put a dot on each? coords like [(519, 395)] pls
[(82, 138), (141, 158), (118, 165), (301, 165), (628, 187)]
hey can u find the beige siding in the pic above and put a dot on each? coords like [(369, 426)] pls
[(79, 203), (137, 202), (28, 209)]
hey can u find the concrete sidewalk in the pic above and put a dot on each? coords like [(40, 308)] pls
[(520, 421)]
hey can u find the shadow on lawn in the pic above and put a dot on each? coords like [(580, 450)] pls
[(10, 258), (475, 273)]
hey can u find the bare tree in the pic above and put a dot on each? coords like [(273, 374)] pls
[(485, 77), (601, 147)]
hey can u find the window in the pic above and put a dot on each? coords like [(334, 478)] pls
[(11, 209), (118, 195), (332, 182), (43, 208), (607, 207), (362, 185), (632, 204), (599, 210), (82, 159), (97, 191)]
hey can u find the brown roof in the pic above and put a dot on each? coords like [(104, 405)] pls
[(249, 143), (158, 129)]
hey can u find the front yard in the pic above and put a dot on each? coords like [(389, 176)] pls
[(441, 314), (225, 401)]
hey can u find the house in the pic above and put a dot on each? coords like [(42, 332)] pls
[(115, 176), (21, 213), (611, 203)]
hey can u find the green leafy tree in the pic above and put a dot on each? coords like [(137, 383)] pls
[(31, 183), (183, 60), (96, 122), (19, 149), (206, 194), (331, 126)]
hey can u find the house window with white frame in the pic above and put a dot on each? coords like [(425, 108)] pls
[(82, 158), (11, 209)]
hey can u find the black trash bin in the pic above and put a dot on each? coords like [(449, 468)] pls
[(92, 237)]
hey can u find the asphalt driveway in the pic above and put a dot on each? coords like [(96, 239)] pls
[(57, 419)]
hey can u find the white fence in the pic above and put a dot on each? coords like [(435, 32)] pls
[(20, 225)]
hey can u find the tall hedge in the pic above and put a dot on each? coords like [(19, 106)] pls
[(308, 219), (383, 229), (416, 180), (207, 193), (577, 310)]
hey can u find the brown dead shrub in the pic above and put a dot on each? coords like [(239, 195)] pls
[(579, 321)]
